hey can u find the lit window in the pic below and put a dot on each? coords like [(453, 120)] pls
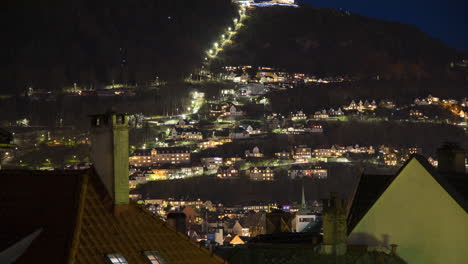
[(117, 259), (154, 257)]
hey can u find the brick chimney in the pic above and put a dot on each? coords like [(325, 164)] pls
[(109, 154), (451, 159), (334, 226)]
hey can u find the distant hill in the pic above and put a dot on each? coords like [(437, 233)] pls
[(330, 42), (51, 43)]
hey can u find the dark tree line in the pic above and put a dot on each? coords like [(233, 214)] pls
[(51, 43)]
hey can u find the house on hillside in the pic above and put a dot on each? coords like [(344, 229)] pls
[(422, 211), (227, 172), (233, 110), (238, 133), (255, 153), (261, 174)]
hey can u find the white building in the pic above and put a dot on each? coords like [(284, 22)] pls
[(254, 154), (252, 89), (212, 163), (305, 220)]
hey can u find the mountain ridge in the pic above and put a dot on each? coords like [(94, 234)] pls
[(331, 42)]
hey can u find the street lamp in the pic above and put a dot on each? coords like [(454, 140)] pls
[(216, 44)]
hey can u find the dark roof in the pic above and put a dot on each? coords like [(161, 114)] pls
[(259, 168), (186, 130), (296, 167), (285, 238), (141, 152), (173, 150), (225, 168), (371, 187), (239, 130), (27, 206), (5, 137)]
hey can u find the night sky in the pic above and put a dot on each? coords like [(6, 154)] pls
[(445, 20)]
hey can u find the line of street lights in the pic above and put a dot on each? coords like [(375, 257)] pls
[(213, 52)]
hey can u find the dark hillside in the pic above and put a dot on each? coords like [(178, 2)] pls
[(53, 43), (330, 42)]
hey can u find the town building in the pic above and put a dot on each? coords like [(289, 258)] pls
[(226, 172), (417, 114), (239, 133), (181, 171), (213, 143), (237, 161), (302, 154), (234, 111), (282, 155), (261, 174), (299, 115), (321, 114), (141, 158), (305, 219), (255, 153), (183, 123), (252, 89), (253, 130), (212, 163), (170, 155), (185, 134), (316, 172), (150, 157)]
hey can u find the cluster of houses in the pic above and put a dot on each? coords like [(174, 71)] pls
[(175, 162), (360, 106), (338, 150), (168, 163), (324, 114), (269, 75), (458, 107), (235, 224)]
